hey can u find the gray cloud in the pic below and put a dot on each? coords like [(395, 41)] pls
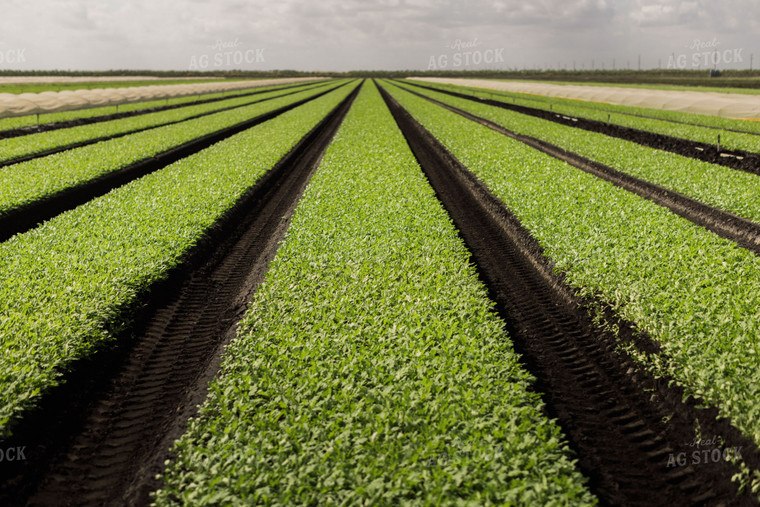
[(360, 34)]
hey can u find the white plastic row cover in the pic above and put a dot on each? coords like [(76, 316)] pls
[(729, 105)]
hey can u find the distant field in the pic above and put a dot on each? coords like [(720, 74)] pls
[(17, 88), (686, 100)]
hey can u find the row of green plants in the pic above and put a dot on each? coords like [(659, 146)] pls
[(17, 88), (36, 179), (17, 122), (33, 119), (691, 126), (71, 286), (31, 144), (716, 185), (695, 293), (370, 368)]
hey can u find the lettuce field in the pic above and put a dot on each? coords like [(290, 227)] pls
[(379, 292)]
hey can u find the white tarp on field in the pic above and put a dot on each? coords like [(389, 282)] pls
[(68, 100), (729, 105), (87, 79)]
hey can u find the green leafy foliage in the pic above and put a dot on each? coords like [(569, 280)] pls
[(68, 287), (26, 121), (716, 185), (39, 178), (36, 143), (89, 85), (695, 293), (370, 368), (695, 127)]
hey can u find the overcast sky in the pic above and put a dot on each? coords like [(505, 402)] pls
[(376, 34)]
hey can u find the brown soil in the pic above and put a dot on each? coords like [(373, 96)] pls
[(47, 127), (735, 159), (622, 424), (723, 223), (103, 437), (27, 217), (95, 140)]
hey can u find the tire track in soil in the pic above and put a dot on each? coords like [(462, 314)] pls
[(130, 423), (735, 159), (742, 231), (78, 122), (617, 429), (28, 216)]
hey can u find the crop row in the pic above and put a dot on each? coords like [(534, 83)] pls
[(370, 367), (40, 87), (36, 179), (26, 121), (69, 287), (716, 185), (16, 147), (690, 126), (696, 119), (696, 294)]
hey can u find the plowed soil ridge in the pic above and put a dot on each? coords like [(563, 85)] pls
[(120, 438), (736, 159), (623, 425), (723, 223)]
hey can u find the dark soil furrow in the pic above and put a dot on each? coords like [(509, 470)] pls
[(622, 424), (95, 140), (723, 223), (713, 154), (116, 442), (548, 100), (24, 218)]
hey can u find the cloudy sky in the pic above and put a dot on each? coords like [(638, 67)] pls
[(376, 34)]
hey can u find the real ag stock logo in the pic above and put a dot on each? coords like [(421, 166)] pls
[(705, 54), (702, 452), (228, 54), (465, 55)]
